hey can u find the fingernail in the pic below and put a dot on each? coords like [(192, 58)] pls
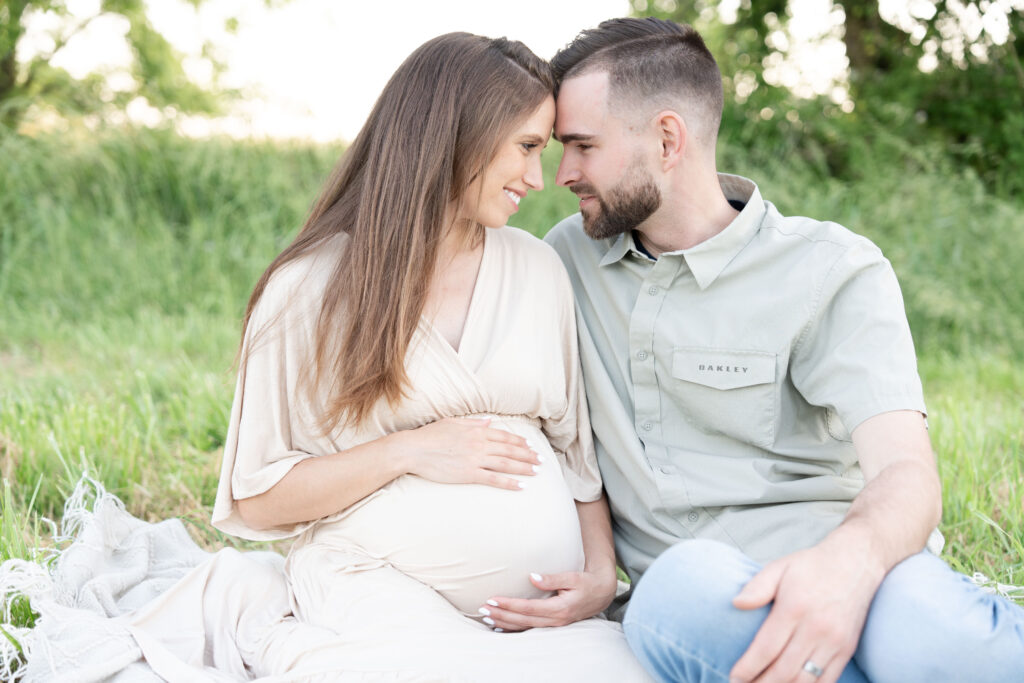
[(484, 611), (489, 621), (498, 629), (522, 484), (536, 577), (535, 468), (492, 603), (540, 458)]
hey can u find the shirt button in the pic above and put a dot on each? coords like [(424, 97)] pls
[(693, 516), (647, 426), (652, 290), (642, 355)]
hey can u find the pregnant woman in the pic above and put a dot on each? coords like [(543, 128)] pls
[(408, 410), (409, 404)]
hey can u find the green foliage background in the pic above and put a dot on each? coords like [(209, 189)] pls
[(126, 259)]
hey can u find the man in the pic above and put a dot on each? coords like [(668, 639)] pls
[(754, 393)]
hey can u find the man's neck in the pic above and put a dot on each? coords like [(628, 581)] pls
[(692, 213)]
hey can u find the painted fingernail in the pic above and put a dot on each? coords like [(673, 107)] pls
[(536, 577), (498, 629), (484, 611), (535, 468), (522, 484), (492, 603), (540, 458), (489, 621)]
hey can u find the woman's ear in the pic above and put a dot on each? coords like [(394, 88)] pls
[(671, 131)]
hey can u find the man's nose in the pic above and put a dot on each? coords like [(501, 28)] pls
[(567, 173)]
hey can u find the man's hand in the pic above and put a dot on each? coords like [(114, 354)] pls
[(821, 598), (579, 595)]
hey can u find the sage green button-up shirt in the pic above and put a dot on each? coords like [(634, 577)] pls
[(724, 380)]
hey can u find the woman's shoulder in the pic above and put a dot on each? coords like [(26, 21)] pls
[(297, 287), (306, 275)]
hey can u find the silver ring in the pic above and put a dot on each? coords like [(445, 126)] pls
[(813, 669)]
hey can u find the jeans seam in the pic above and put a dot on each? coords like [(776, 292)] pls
[(679, 647)]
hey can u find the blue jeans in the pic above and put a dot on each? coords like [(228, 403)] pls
[(926, 623)]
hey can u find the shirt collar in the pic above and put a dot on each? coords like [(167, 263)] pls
[(708, 259)]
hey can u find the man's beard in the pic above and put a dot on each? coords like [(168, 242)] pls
[(629, 204)]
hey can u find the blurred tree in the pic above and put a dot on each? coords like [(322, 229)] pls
[(948, 71), (156, 67)]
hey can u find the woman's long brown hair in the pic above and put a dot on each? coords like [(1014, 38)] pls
[(434, 128)]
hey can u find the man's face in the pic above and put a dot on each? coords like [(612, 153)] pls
[(601, 159)]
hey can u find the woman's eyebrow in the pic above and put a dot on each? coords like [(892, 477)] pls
[(533, 138)]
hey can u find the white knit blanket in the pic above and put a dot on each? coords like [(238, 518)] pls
[(114, 564)]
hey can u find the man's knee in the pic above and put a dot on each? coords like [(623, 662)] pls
[(931, 623), (692, 576), (680, 620)]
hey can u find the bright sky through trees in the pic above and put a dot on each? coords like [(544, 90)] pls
[(311, 68)]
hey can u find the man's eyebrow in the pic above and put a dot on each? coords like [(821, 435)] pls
[(573, 137)]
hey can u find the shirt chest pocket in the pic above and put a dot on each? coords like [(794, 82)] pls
[(724, 391)]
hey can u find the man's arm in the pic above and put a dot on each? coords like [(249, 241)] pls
[(821, 595)]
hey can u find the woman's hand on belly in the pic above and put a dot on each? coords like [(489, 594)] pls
[(578, 595), (461, 450)]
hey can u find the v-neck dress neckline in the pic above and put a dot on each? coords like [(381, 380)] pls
[(467, 326)]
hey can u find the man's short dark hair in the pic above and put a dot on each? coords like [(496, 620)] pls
[(652, 61)]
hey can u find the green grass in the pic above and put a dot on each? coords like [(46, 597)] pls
[(126, 259)]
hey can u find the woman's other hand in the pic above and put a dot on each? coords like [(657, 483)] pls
[(578, 595), (463, 450)]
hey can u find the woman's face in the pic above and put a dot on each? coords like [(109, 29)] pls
[(494, 196)]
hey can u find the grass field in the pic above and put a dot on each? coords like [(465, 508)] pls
[(126, 260)]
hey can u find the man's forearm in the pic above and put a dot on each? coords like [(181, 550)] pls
[(901, 502)]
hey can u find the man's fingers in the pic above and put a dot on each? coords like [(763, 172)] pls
[(792, 663), (769, 642), (761, 589), (831, 674)]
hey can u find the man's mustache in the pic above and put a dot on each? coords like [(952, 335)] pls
[(583, 188)]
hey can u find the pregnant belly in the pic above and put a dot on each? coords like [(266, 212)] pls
[(471, 542)]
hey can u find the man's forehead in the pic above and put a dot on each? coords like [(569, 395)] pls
[(582, 103)]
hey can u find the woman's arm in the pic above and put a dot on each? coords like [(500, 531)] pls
[(450, 451), (579, 595)]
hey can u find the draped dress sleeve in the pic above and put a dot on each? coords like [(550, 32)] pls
[(271, 428), (569, 433)]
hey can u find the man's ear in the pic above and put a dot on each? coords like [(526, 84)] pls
[(672, 135)]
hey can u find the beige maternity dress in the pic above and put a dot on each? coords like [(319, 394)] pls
[(389, 588)]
